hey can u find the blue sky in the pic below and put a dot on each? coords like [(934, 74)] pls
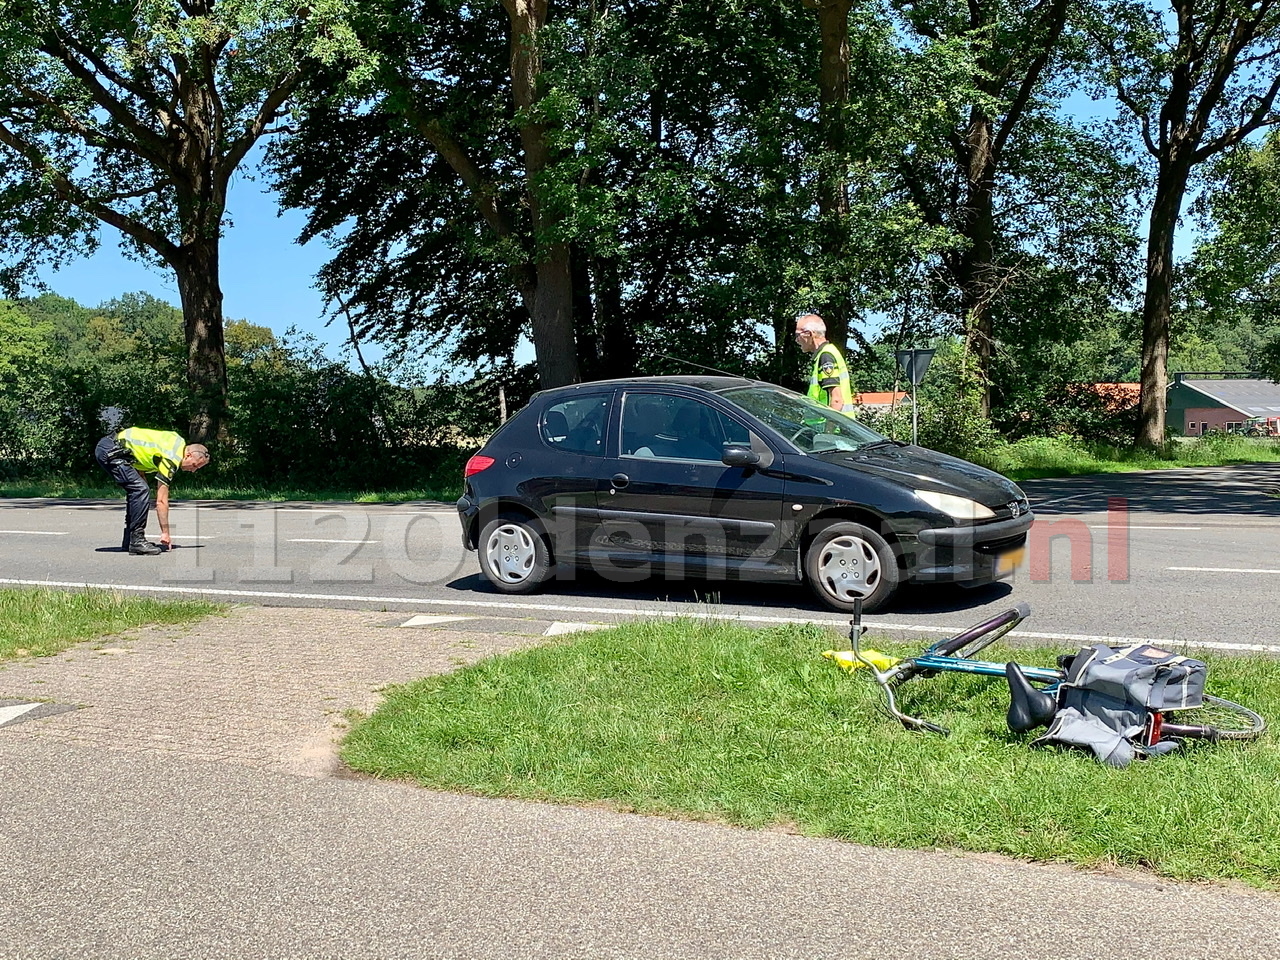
[(267, 278)]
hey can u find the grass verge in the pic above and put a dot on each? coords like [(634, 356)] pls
[(718, 722), (1041, 457), (38, 623)]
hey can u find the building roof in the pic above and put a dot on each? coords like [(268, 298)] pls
[(1253, 398), (882, 399), (1115, 397)]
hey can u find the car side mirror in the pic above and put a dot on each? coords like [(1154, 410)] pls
[(739, 455)]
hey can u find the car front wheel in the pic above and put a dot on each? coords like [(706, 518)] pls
[(514, 555), (846, 562)]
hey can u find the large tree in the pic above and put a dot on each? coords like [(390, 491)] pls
[(136, 116), (1198, 76), (1013, 52), (458, 189)]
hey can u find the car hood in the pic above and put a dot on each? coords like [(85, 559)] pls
[(920, 468)]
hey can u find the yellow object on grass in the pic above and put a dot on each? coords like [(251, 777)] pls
[(845, 660)]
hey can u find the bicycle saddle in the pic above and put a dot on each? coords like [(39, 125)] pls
[(1028, 707)]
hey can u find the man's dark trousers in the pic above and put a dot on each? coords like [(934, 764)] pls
[(118, 462)]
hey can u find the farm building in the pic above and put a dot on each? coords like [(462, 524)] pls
[(1201, 403)]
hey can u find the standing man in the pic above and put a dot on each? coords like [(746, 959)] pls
[(127, 456), (829, 382)]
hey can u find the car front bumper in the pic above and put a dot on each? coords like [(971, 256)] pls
[(971, 554)]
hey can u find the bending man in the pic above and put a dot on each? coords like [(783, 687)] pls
[(129, 454)]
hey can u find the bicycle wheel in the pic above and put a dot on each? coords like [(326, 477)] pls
[(1217, 719), (981, 635)]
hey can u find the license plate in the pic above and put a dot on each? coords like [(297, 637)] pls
[(1009, 562)]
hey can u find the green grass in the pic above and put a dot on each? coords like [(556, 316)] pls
[(718, 722), (1041, 457), (38, 623)]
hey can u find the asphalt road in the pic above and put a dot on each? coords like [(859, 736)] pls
[(1178, 556)]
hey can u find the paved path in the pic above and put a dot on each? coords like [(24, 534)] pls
[(189, 809), (264, 686)]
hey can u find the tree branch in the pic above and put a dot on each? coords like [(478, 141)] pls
[(93, 136), (463, 165), (146, 141), (75, 195), (1262, 116), (267, 112), (1053, 19)]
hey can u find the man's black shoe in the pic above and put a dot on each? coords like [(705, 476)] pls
[(144, 548)]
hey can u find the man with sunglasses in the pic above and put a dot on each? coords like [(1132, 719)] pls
[(829, 382)]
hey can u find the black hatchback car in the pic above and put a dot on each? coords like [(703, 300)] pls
[(723, 478)]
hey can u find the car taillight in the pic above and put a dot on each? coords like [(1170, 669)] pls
[(476, 464)]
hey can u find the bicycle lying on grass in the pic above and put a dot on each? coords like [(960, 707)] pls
[(1040, 695)]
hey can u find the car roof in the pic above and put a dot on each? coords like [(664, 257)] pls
[(701, 381)]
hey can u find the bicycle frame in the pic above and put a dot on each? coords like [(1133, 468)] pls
[(933, 661)]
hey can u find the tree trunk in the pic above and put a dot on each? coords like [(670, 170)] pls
[(201, 294), (552, 319), (833, 189), (976, 271), (1157, 305)]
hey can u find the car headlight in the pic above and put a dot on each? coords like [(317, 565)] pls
[(958, 508)]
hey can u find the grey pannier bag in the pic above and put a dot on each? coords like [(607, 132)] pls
[(1106, 701)]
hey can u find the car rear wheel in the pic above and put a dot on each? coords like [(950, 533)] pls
[(846, 562), (514, 555)]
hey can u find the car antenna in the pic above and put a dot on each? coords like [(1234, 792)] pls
[(722, 373)]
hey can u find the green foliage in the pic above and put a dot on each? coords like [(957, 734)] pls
[(683, 174), (300, 419), (99, 100), (1232, 284), (1066, 455)]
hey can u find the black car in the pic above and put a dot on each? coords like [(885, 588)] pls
[(724, 478)]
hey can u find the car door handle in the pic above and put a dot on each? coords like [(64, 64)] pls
[(619, 480)]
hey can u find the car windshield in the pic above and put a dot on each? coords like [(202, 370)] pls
[(808, 424)]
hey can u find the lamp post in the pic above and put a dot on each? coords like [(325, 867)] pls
[(914, 363)]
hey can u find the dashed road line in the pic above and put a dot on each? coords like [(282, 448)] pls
[(1223, 569), (39, 533), (561, 627), (315, 540), (10, 714)]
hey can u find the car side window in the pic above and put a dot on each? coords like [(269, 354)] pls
[(576, 425), (676, 428)]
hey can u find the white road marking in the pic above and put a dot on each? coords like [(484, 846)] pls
[(1135, 526), (9, 714), (39, 533), (561, 627), (310, 540), (421, 621), (1223, 569), (696, 613)]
